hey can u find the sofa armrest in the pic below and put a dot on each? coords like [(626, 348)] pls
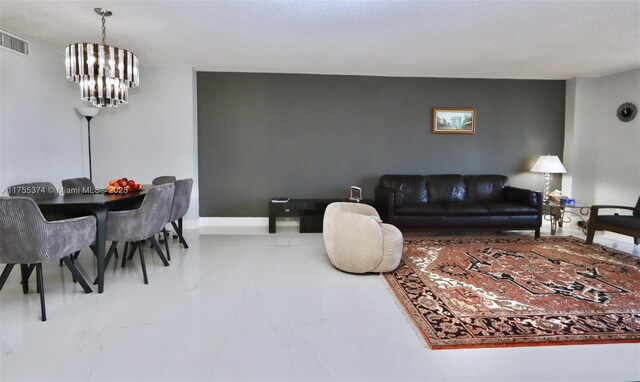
[(385, 201), (522, 195)]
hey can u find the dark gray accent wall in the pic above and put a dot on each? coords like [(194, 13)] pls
[(312, 136)]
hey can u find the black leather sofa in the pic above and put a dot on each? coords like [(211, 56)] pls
[(457, 202)]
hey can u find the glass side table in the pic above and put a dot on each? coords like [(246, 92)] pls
[(558, 214)]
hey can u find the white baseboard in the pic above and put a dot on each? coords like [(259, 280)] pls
[(263, 222), (239, 222), (190, 224)]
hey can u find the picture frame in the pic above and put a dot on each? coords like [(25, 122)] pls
[(454, 120)]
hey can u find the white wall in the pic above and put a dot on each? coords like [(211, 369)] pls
[(601, 152), (40, 132), (153, 135), (43, 138)]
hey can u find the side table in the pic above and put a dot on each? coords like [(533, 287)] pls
[(558, 213), (310, 212)]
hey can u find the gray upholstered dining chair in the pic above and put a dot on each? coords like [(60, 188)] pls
[(163, 180), (35, 190), (28, 239), (78, 186), (180, 206), (136, 226), (38, 191)]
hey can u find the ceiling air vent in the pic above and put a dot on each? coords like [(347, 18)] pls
[(14, 43)]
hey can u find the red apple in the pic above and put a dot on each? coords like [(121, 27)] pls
[(122, 182)]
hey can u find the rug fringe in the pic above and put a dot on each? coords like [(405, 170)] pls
[(404, 312)]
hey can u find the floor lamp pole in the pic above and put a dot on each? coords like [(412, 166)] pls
[(89, 136)]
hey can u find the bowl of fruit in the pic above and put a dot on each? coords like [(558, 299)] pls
[(122, 186)]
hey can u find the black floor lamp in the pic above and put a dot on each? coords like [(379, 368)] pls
[(89, 112)]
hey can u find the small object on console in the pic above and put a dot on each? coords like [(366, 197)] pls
[(355, 194)]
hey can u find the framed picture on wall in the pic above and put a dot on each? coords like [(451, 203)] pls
[(454, 120)]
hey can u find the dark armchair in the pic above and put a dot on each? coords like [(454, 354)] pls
[(622, 224)]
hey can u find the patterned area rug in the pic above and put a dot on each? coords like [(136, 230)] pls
[(471, 292)]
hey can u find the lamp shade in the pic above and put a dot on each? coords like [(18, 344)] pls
[(549, 164), (88, 111)]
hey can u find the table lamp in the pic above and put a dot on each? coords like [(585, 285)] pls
[(548, 164), (89, 112)]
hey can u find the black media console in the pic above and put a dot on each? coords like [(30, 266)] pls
[(309, 211)]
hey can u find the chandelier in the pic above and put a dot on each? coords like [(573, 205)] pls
[(105, 73)]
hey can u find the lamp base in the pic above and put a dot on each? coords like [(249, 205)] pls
[(547, 184)]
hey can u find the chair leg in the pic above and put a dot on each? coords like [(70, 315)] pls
[(76, 274), (184, 242), (107, 258), (591, 231), (24, 272), (537, 233), (178, 229), (132, 251), (144, 267), (112, 250), (41, 288), (166, 243), (636, 240), (5, 274), (72, 257), (159, 251)]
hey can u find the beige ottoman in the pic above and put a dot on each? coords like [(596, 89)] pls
[(357, 241)]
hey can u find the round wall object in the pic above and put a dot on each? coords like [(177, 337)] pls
[(627, 112)]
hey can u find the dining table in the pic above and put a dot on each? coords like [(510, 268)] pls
[(97, 204)]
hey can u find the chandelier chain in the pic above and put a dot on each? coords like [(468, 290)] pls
[(104, 30)]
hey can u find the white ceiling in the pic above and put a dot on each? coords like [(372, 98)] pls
[(472, 39)]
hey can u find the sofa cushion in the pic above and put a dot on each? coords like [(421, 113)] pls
[(485, 188), (413, 188), (504, 208), (421, 209), (442, 209), (465, 209), (445, 188)]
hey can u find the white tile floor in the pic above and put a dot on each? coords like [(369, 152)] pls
[(241, 304)]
